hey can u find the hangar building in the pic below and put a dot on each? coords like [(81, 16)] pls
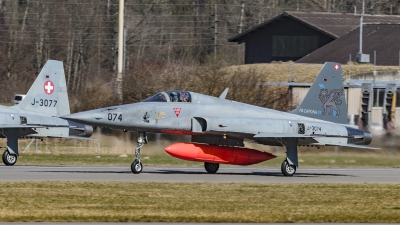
[(294, 35)]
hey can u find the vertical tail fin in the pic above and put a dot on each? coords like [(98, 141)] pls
[(48, 94), (325, 99)]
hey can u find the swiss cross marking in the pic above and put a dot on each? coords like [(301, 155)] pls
[(337, 66), (48, 87), (177, 111)]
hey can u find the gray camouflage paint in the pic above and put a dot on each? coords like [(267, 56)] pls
[(319, 120), (36, 115)]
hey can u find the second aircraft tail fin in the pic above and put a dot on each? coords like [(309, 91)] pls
[(48, 94), (325, 99)]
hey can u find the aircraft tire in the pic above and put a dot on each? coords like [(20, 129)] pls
[(9, 159), (211, 167), (287, 169), (136, 167)]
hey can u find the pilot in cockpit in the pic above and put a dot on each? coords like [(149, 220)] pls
[(182, 97), (173, 96)]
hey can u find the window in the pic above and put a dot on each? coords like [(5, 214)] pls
[(179, 96), (379, 95), (170, 96), (159, 97)]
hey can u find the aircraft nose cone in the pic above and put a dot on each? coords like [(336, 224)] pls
[(81, 117)]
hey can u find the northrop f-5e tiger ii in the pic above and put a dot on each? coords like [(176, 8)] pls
[(218, 127), (37, 115)]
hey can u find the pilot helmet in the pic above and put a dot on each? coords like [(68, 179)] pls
[(182, 97), (173, 96)]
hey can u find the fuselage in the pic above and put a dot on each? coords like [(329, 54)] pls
[(37, 125), (207, 115)]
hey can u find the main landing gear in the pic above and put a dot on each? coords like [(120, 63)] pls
[(9, 159), (211, 167), (137, 166), (10, 155), (291, 162), (287, 169)]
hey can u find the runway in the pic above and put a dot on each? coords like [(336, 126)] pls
[(198, 174)]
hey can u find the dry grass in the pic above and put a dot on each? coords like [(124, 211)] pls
[(199, 202), (302, 73)]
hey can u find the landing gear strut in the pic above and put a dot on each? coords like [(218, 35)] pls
[(137, 166), (291, 162), (9, 159), (11, 154)]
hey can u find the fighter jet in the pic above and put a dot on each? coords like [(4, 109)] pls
[(37, 115), (218, 127)]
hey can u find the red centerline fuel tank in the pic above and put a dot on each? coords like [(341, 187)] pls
[(217, 154)]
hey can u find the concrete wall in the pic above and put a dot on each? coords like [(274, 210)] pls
[(379, 75)]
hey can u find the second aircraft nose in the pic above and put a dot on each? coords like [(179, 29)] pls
[(80, 117)]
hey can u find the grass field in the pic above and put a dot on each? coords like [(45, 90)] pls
[(309, 159), (199, 202)]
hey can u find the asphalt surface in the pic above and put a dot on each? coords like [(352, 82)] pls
[(198, 174)]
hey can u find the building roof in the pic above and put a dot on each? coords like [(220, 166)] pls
[(382, 38), (334, 25)]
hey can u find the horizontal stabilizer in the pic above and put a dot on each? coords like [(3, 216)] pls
[(359, 146), (19, 126), (73, 137), (48, 125)]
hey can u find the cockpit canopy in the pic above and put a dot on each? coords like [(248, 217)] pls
[(170, 96)]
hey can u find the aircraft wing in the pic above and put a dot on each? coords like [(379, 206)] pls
[(280, 135), (73, 137), (359, 146), (315, 140)]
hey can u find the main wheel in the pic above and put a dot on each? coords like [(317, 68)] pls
[(9, 159), (211, 167), (287, 169), (136, 167)]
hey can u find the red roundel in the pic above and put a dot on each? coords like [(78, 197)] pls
[(48, 87), (336, 66)]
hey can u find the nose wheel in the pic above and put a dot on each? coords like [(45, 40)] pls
[(137, 165), (9, 159)]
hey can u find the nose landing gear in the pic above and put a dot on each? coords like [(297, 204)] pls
[(137, 165)]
